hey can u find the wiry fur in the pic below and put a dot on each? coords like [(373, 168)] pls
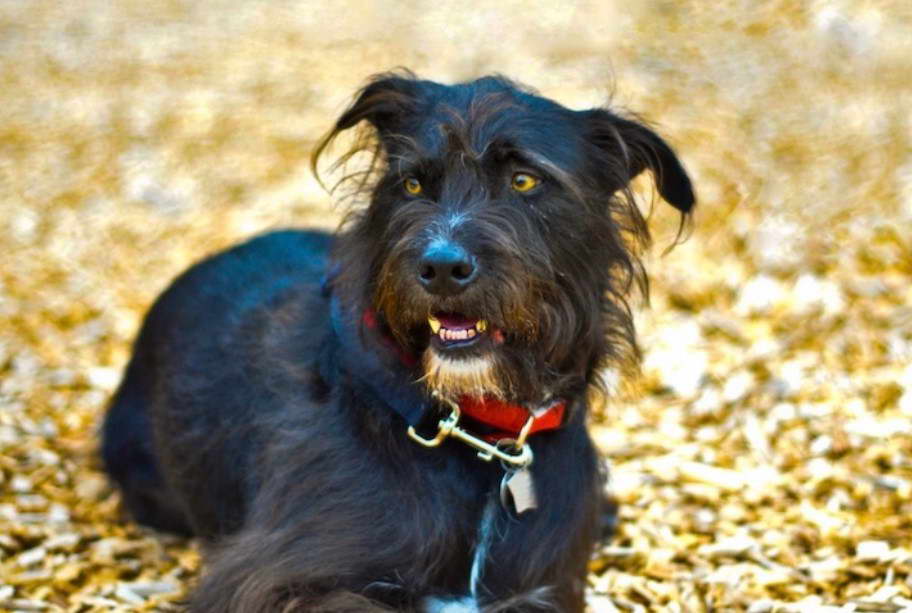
[(259, 413), (580, 285), (452, 378)]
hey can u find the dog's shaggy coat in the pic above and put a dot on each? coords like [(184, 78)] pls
[(266, 403)]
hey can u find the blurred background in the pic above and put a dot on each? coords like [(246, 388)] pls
[(764, 458)]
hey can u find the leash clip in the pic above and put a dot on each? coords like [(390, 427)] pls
[(486, 451)]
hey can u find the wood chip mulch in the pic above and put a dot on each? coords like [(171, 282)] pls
[(763, 460)]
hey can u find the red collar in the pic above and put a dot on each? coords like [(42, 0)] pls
[(506, 419)]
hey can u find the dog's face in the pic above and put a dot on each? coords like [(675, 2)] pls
[(500, 240)]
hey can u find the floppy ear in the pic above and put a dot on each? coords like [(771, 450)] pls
[(386, 102), (637, 148)]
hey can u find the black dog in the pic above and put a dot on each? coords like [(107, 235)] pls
[(475, 297)]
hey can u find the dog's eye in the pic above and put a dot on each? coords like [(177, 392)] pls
[(412, 186), (523, 182)]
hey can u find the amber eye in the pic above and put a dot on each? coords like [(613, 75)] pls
[(412, 186), (523, 182)]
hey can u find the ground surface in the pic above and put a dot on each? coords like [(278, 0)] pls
[(766, 460)]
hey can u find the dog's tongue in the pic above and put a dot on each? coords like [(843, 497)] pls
[(455, 321)]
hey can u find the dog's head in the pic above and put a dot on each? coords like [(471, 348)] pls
[(501, 239)]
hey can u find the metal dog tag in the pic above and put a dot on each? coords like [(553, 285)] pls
[(521, 488)]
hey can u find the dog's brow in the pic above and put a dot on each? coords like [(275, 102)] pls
[(524, 155), (405, 164), (542, 164)]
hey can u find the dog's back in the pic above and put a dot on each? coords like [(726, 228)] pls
[(192, 349)]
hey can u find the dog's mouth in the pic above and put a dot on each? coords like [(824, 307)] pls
[(452, 330), (461, 359)]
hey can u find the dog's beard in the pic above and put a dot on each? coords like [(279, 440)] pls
[(452, 378)]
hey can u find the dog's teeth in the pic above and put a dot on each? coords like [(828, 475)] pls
[(446, 334)]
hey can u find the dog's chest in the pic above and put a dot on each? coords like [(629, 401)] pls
[(453, 520), (479, 556)]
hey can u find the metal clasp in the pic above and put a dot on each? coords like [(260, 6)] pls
[(444, 428), (521, 457)]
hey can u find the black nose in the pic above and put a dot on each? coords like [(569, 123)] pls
[(446, 269)]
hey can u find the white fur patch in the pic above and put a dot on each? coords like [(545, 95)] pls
[(463, 605), (462, 368), (482, 544), (453, 378)]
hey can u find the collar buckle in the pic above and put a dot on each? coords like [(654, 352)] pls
[(509, 451)]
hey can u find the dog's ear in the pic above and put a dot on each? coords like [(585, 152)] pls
[(387, 102), (637, 148)]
